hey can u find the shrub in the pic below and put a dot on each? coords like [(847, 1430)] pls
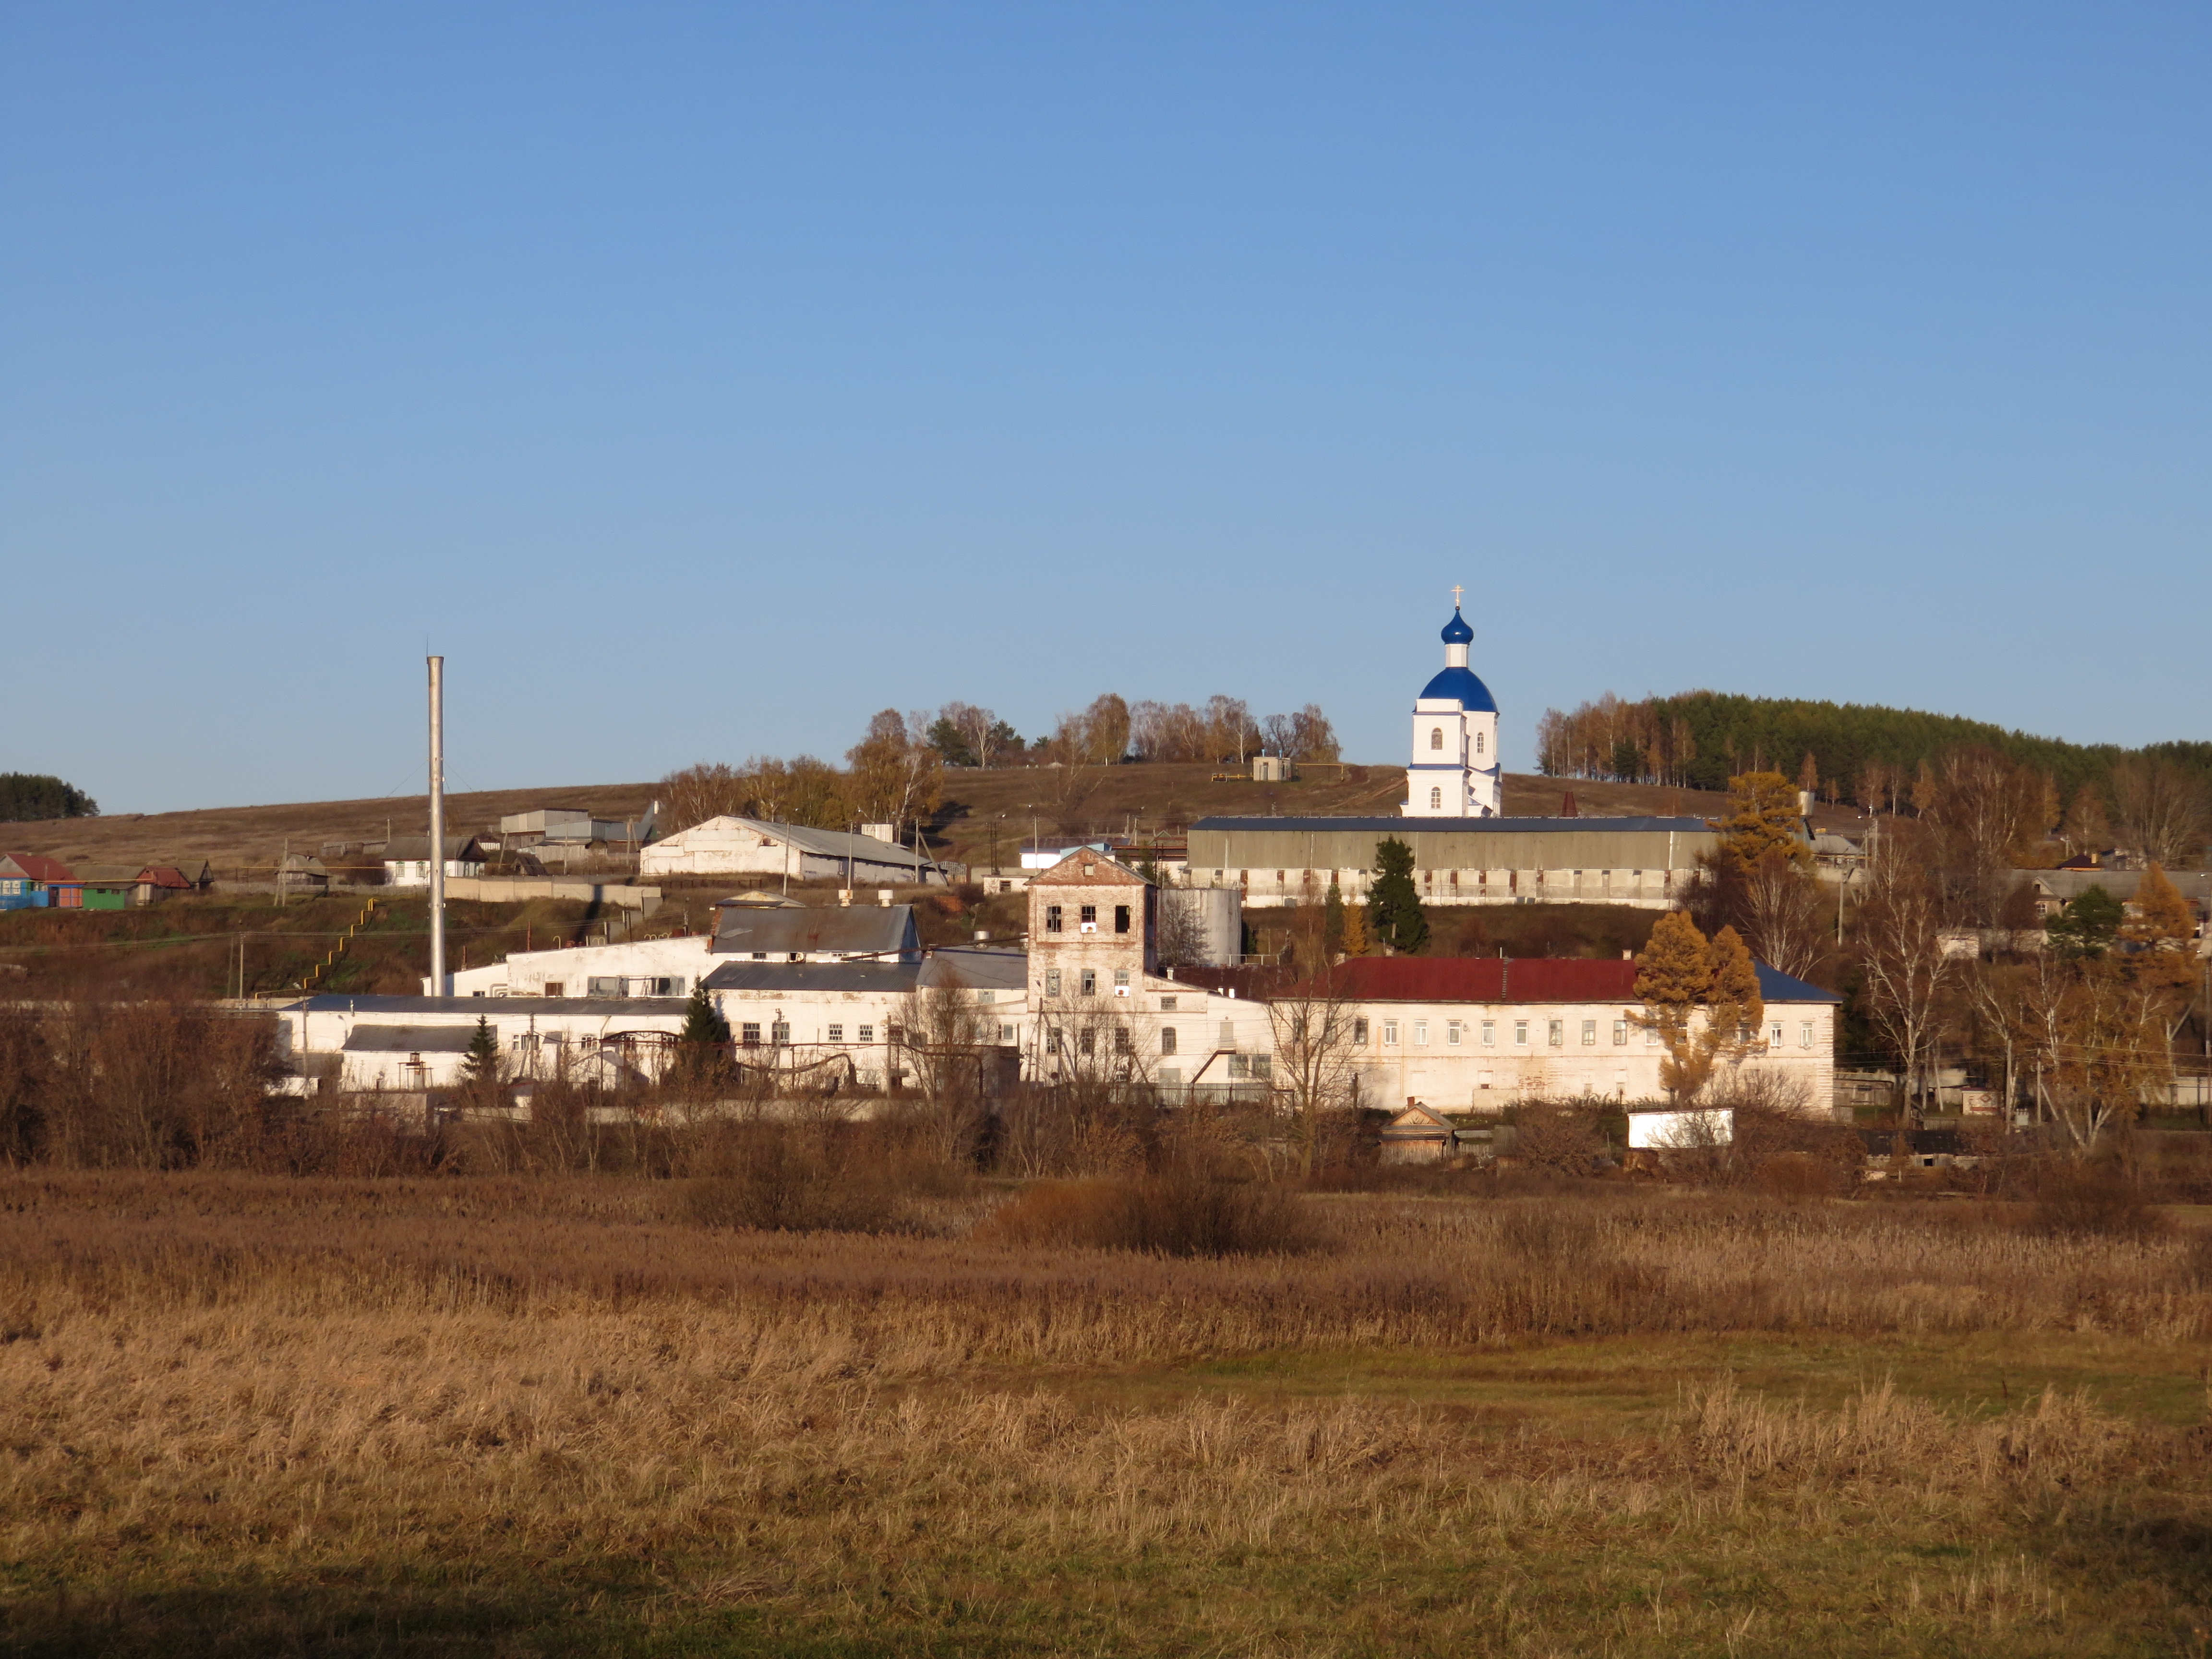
[(1175, 1214), (2072, 1197), (783, 1178)]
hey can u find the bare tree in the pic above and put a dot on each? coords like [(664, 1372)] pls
[(1782, 916), (2162, 811), (1317, 1055), (1180, 931), (1901, 956), (1987, 814)]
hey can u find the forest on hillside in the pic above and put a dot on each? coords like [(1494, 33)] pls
[(1861, 752), (34, 797)]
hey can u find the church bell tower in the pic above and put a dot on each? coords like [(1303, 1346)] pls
[(1453, 772)]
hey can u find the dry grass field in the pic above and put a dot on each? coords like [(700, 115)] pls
[(255, 1415)]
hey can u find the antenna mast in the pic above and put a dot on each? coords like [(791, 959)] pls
[(437, 826)]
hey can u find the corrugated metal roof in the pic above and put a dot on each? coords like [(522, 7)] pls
[(415, 849), (797, 978), (855, 930), (31, 866), (824, 843)]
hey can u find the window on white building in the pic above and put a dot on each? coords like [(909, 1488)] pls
[(1121, 979), (1436, 736), (1420, 1034), (1359, 1030), (1167, 1039), (1052, 981), (1620, 1034), (1589, 1034), (1089, 914), (1006, 1033), (1451, 1034), (1775, 1042), (1052, 917), (1490, 1034), (1650, 1038), (1167, 1004), (1805, 1035), (867, 1034), (1558, 1034), (1520, 1033), (749, 1033), (1091, 981), (1389, 1033), (1436, 797), (1478, 743), (1086, 1043), (835, 1034)]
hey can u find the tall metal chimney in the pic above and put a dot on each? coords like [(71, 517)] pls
[(438, 826)]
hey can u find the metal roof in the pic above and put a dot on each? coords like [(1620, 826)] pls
[(1522, 980), (796, 978), (822, 843), (33, 866), (1462, 686), (853, 930), (977, 968), (1497, 826), (498, 1007), (415, 849), (409, 1039)]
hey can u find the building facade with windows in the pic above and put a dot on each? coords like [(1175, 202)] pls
[(1476, 1034)]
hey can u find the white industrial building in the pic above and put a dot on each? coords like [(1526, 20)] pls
[(756, 847)]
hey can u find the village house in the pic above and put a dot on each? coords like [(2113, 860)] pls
[(407, 859)]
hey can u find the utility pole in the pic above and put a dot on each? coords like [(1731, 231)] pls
[(437, 826)]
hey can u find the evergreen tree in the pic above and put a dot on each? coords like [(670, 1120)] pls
[(2086, 927), (1395, 914), (704, 1028), (481, 1064)]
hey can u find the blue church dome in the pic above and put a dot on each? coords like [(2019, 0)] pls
[(1456, 632), (1462, 687)]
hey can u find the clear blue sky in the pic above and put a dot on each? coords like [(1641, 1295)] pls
[(700, 380)]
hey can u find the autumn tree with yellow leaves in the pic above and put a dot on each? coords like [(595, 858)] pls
[(1701, 997)]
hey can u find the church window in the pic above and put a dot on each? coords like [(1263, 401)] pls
[(1436, 736), (1436, 797), (1478, 743)]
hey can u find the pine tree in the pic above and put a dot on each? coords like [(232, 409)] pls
[(1395, 914), (703, 1024), (481, 1065), (2088, 927)]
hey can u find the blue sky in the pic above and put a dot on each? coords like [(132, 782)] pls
[(700, 380)]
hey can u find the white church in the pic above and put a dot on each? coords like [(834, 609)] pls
[(1453, 772)]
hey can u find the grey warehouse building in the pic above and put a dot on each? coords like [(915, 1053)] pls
[(1644, 862)]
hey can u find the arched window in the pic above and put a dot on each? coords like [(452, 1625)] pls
[(1436, 736), (1436, 797), (1478, 743)]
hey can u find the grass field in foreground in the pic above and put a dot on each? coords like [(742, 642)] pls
[(499, 1417)]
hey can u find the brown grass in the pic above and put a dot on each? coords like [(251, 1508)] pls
[(251, 1415)]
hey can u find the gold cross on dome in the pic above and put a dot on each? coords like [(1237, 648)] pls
[(1456, 591)]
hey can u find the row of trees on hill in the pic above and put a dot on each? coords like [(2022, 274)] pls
[(31, 797), (1863, 752), (896, 773), (2003, 793), (1111, 729)]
